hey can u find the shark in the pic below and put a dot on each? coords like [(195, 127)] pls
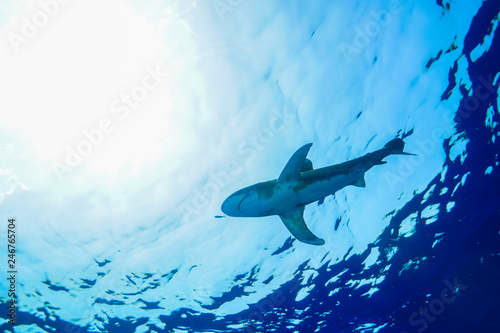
[(299, 184)]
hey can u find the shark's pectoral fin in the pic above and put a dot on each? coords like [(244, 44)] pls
[(360, 182), (294, 221), (292, 169)]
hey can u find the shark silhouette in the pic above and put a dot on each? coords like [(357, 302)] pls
[(299, 185)]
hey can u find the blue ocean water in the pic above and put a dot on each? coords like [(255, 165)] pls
[(417, 250)]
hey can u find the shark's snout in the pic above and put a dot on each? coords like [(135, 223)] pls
[(231, 206)]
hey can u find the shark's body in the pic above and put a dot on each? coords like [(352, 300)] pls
[(299, 184)]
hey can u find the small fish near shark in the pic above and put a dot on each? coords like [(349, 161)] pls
[(299, 184)]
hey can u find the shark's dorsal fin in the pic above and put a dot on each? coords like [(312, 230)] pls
[(292, 169), (294, 221)]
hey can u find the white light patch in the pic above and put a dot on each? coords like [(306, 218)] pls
[(407, 227), (462, 181), (68, 86), (458, 147), (390, 252), (304, 292), (485, 45), (443, 173), (490, 114), (335, 278), (370, 292), (372, 257), (436, 242), (428, 193), (430, 213)]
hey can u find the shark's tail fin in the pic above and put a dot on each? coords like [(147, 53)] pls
[(396, 147)]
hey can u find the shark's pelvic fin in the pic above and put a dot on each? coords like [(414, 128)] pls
[(294, 221), (360, 182), (292, 169)]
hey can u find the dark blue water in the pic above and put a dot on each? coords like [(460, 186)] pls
[(443, 278)]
